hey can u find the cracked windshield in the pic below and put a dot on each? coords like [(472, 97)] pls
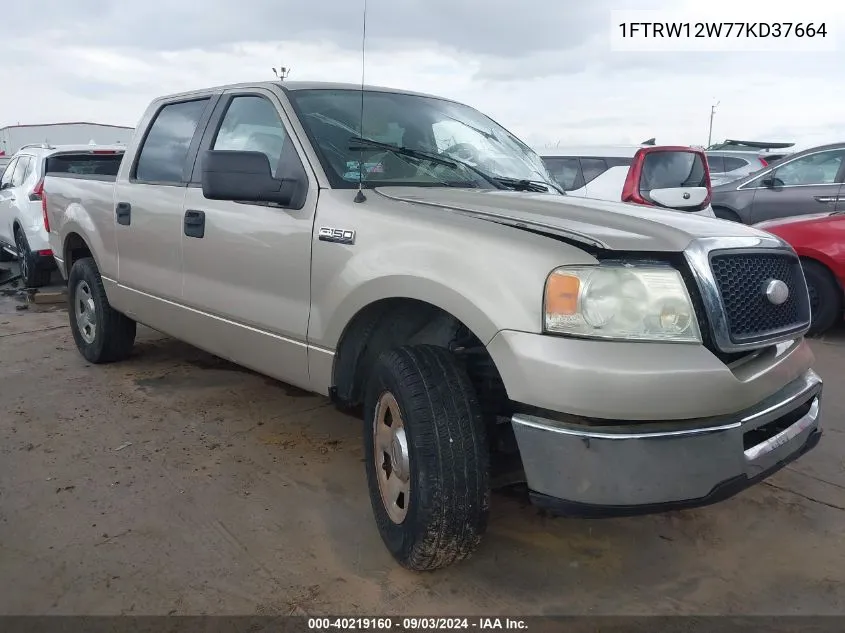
[(413, 140)]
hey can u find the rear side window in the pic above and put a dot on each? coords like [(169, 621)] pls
[(94, 164), (592, 168), (165, 150), (716, 164), (566, 172), (734, 163), (667, 170)]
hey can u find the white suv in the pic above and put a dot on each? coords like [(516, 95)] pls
[(665, 176), (23, 222)]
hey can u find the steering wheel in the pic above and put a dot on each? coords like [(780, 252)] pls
[(465, 152)]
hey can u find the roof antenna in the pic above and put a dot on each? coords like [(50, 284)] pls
[(360, 197)]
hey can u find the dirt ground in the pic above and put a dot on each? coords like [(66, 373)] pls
[(177, 483)]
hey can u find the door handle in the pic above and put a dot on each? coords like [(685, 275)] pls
[(123, 213), (195, 223), (825, 199)]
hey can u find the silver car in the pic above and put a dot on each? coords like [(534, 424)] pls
[(806, 182), (727, 166)]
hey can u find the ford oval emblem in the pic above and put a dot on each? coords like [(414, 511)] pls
[(777, 292), (686, 195)]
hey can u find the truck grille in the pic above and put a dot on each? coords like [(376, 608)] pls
[(742, 279)]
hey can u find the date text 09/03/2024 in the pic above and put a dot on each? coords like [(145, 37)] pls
[(415, 624), (723, 29)]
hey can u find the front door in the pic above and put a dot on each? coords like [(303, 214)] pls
[(247, 267), (148, 213), (806, 185)]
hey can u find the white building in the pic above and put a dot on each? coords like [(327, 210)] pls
[(13, 137)]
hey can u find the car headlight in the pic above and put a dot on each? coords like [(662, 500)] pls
[(643, 302)]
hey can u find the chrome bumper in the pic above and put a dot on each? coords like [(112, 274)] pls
[(643, 467)]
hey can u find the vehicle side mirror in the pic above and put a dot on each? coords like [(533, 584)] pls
[(771, 182), (244, 177)]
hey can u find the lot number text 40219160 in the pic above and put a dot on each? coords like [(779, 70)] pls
[(722, 29)]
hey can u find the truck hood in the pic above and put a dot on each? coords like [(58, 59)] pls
[(607, 225)]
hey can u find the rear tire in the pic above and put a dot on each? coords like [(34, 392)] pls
[(33, 277), (825, 296), (435, 473), (726, 214), (102, 334)]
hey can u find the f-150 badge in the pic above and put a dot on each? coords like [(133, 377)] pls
[(341, 236)]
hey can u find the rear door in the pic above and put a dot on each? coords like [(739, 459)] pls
[(148, 206), (805, 185), (247, 267)]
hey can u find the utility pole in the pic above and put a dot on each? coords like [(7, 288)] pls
[(281, 73), (712, 114)]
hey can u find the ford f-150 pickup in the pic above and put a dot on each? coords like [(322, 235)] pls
[(407, 256)]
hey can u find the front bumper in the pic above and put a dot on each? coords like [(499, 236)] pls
[(583, 470)]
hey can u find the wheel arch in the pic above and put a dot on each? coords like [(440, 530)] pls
[(392, 322)]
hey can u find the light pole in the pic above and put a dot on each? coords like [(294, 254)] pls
[(281, 73), (712, 114)]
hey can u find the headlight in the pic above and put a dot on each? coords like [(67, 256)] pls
[(620, 301)]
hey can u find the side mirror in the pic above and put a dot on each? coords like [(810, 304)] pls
[(244, 177), (771, 182)]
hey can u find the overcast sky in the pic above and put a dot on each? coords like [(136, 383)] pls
[(542, 68)]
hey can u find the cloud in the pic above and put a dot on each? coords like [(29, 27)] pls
[(542, 68)]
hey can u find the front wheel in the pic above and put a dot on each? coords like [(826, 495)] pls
[(825, 296), (102, 334), (427, 457)]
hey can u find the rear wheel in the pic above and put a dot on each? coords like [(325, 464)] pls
[(427, 457), (102, 334), (825, 296), (32, 275), (726, 214)]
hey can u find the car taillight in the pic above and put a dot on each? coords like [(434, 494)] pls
[(763, 162), (38, 194)]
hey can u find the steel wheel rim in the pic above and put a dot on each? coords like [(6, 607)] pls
[(392, 460), (85, 312)]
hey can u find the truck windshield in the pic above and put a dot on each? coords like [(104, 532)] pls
[(451, 144)]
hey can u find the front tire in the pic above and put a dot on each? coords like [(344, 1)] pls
[(102, 334), (427, 457), (825, 296)]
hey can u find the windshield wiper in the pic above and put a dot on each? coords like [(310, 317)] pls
[(521, 184), (365, 143)]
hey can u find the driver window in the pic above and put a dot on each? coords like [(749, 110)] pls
[(815, 169), (253, 124)]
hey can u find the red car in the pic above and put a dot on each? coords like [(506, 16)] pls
[(820, 242)]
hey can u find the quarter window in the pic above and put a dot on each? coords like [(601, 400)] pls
[(734, 163), (21, 170), (566, 172), (814, 169), (592, 168), (253, 124), (165, 150)]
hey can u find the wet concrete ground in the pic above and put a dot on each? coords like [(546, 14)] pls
[(178, 483)]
